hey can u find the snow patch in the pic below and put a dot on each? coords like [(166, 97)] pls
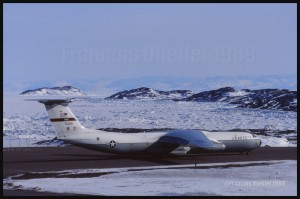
[(270, 178), (238, 93), (275, 141)]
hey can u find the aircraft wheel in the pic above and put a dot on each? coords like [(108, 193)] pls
[(248, 153)]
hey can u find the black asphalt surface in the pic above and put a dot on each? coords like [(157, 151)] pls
[(41, 159)]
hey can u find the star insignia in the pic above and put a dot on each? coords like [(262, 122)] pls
[(112, 144)]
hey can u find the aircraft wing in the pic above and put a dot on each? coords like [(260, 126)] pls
[(191, 138), (175, 138)]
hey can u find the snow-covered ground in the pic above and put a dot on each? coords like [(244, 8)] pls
[(228, 179), (28, 120)]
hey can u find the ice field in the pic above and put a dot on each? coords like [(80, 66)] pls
[(27, 121)]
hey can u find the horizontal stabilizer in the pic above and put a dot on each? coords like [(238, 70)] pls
[(52, 101)]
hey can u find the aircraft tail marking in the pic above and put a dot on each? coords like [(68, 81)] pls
[(62, 118)]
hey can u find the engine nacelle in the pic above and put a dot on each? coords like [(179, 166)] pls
[(182, 150)]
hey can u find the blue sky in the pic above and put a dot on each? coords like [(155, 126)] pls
[(62, 42)]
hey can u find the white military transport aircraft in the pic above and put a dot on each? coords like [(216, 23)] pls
[(68, 129)]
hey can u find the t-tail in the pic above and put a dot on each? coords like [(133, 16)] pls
[(63, 120)]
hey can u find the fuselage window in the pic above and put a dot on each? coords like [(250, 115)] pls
[(68, 128), (98, 138), (74, 128)]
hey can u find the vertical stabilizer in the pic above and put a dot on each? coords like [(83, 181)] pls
[(63, 120)]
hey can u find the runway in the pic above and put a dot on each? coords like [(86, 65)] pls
[(41, 159)]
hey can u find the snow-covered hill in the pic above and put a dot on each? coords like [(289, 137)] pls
[(212, 96), (274, 99), (65, 90), (148, 93)]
